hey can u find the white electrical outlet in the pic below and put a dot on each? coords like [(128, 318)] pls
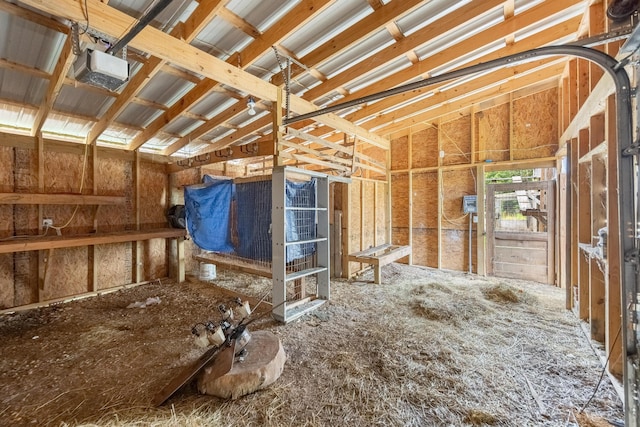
[(47, 222)]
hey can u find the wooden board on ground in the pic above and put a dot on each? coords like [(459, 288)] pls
[(262, 366), (235, 264), (380, 256), (222, 363)]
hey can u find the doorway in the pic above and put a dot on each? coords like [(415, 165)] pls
[(520, 230)]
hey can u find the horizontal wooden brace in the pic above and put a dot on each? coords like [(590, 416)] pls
[(37, 243), (59, 199)]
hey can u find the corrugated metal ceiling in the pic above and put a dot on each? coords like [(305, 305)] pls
[(34, 46)]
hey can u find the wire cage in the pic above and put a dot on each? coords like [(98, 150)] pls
[(246, 223)]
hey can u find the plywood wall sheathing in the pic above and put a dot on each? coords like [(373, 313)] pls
[(535, 126), (63, 174), (114, 179), (400, 153), (425, 219), (114, 265), (7, 292), (368, 215), (424, 148), (355, 221), (153, 197), (381, 220), (400, 210), (67, 273), (493, 134), (455, 225), (455, 141)]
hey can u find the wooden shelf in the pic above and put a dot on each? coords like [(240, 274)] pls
[(54, 242), (59, 199)]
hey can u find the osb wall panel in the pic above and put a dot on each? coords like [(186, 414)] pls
[(455, 249), (493, 133), (6, 228), (63, 174), (355, 209), (368, 211), (25, 277), (67, 273), (456, 184), (382, 222), (155, 259), (400, 200), (25, 219), (400, 210), (424, 247), (114, 178), (424, 148), (113, 263), (535, 125), (425, 200), (25, 174), (400, 236), (379, 155), (400, 153), (153, 196), (7, 292), (455, 141)]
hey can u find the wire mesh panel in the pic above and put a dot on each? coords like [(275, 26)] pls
[(519, 211), (300, 242)]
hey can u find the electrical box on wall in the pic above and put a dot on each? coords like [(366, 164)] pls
[(470, 204)]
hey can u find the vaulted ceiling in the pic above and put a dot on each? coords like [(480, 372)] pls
[(194, 68)]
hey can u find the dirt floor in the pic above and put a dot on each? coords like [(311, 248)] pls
[(425, 348)]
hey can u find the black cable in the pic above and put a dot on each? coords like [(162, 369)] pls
[(604, 369)]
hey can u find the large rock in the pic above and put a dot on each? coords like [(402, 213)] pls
[(261, 367)]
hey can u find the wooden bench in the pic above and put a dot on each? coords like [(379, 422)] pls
[(379, 256)]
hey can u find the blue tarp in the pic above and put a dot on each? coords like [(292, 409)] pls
[(209, 208), (208, 212)]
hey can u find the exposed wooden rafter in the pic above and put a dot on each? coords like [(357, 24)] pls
[(65, 60), (205, 12)]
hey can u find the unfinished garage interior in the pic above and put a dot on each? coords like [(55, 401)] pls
[(430, 206)]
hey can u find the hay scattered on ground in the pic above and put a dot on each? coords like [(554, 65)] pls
[(424, 348)]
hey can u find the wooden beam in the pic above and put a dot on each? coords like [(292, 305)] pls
[(20, 68), (62, 146), (527, 18), (34, 17), (59, 199), (55, 242), (247, 151), (318, 140), (415, 40), (363, 29), (477, 97), (65, 60), (545, 37), (240, 23), (200, 17), (113, 22), (291, 22)]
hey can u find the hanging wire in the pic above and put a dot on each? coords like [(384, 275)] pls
[(285, 76)]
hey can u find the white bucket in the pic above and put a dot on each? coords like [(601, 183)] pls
[(207, 271)]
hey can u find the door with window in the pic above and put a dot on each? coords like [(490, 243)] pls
[(520, 230)]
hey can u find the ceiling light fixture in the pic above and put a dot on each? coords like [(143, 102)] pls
[(251, 104)]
